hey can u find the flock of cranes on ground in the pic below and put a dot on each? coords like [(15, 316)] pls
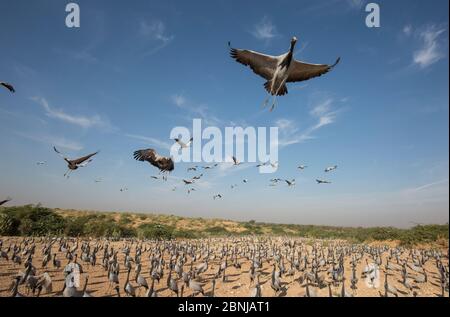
[(245, 266)]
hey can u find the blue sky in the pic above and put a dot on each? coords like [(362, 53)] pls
[(132, 72)]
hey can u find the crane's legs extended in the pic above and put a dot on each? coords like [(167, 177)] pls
[(265, 102), (276, 94), (67, 173)]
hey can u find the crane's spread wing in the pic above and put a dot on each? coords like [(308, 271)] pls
[(59, 153), (150, 155), (261, 64), (303, 71), (85, 163), (144, 155), (8, 86), (82, 159)]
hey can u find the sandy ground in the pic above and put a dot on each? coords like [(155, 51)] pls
[(237, 283)]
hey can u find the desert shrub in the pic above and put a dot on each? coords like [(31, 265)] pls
[(186, 234), (33, 220), (98, 228), (124, 219), (127, 232), (277, 230), (9, 226), (75, 226), (217, 230), (154, 231)]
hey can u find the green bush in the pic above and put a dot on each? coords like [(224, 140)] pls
[(75, 226), (9, 226), (186, 234), (124, 219), (154, 231), (217, 230), (35, 220)]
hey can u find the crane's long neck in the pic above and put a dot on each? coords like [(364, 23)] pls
[(291, 49)]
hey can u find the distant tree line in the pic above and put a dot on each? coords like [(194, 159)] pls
[(36, 220)]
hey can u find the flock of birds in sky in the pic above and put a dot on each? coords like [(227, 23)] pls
[(282, 263), (276, 70)]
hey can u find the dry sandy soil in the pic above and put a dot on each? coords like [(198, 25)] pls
[(237, 283)]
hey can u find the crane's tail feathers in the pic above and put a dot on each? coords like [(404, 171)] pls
[(268, 86), (280, 92)]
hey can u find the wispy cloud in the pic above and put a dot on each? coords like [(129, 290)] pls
[(52, 140), (432, 49), (426, 186), (407, 30), (322, 111), (24, 71), (82, 121), (290, 133), (429, 193), (83, 55), (264, 30), (355, 4), (151, 141), (179, 100), (156, 32), (198, 110)]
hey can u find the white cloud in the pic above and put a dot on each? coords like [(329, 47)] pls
[(151, 141), (431, 50), (155, 31), (286, 125), (429, 185), (429, 193), (199, 111), (407, 29), (264, 30), (355, 4), (321, 108), (83, 55), (60, 142), (179, 100), (289, 131), (82, 121)]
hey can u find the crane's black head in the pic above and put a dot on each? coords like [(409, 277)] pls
[(293, 41)]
